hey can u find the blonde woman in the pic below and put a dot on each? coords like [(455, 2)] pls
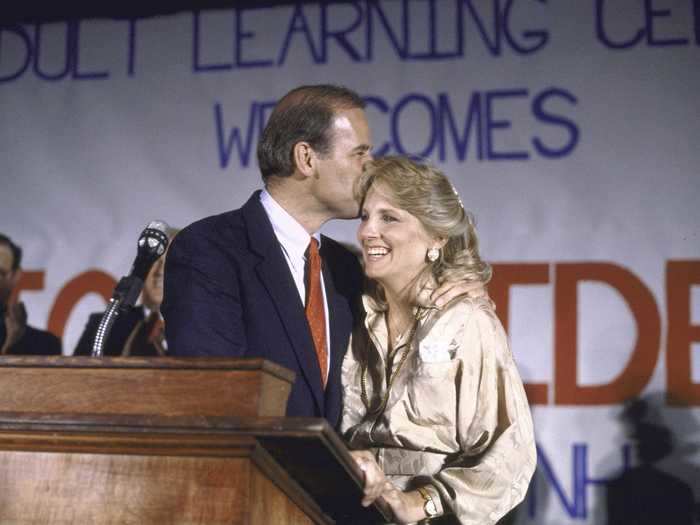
[(433, 403)]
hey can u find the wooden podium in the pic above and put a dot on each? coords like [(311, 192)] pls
[(166, 441)]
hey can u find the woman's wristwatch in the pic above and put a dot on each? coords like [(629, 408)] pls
[(429, 506)]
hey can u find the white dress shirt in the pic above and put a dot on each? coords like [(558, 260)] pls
[(294, 240)]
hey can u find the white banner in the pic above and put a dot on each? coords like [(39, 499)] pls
[(569, 128)]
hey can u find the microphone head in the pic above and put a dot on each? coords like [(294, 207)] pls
[(151, 245), (154, 239), (158, 225)]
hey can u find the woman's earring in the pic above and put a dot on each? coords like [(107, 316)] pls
[(433, 254)]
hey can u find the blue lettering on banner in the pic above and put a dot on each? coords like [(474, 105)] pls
[(22, 34), (472, 121), (234, 140), (131, 57), (502, 24), (430, 33), (651, 14), (492, 124), (576, 505), (241, 35), (77, 73), (442, 130), (397, 41), (60, 73), (538, 38), (605, 38), (649, 20), (568, 125), (493, 44), (432, 125), (197, 65), (298, 24), (371, 21), (68, 63), (411, 30), (340, 35), (380, 104)]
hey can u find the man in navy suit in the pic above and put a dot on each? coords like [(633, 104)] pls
[(235, 283)]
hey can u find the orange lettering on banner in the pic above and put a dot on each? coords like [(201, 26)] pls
[(93, 281), (29, 280), (640, 366), (680, 389), (505, 276)]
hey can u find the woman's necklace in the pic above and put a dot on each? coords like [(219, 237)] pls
[(396, 334), (397, 337), (406, 346)]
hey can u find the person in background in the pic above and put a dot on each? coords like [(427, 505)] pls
[(16, 336), (433, 405), (140, 330)]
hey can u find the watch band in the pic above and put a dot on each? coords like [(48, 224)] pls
[(429, 506)]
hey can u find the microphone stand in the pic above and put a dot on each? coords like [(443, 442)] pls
[(152, 244), (125, 295)]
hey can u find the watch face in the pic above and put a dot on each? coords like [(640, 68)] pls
[(430, 508)]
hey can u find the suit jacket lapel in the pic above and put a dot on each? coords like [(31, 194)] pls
[(275, 275)]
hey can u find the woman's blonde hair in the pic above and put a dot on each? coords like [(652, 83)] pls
[(427, 194)]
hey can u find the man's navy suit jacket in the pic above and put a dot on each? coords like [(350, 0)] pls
[(229, 293)]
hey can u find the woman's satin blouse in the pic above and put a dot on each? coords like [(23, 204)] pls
[(456, 420)]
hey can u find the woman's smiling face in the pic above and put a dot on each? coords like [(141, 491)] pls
[(393, 241)]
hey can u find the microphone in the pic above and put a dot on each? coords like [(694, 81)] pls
[(151, 245)]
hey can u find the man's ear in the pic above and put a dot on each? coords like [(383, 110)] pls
[(304, 158)]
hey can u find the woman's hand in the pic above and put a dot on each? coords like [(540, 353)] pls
[(374, 478), (406, 507)]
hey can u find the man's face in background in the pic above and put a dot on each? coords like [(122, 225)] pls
[(8, 276), (152, 294)]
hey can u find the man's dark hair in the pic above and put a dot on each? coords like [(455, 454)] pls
[(304, 114), (16, 251)]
